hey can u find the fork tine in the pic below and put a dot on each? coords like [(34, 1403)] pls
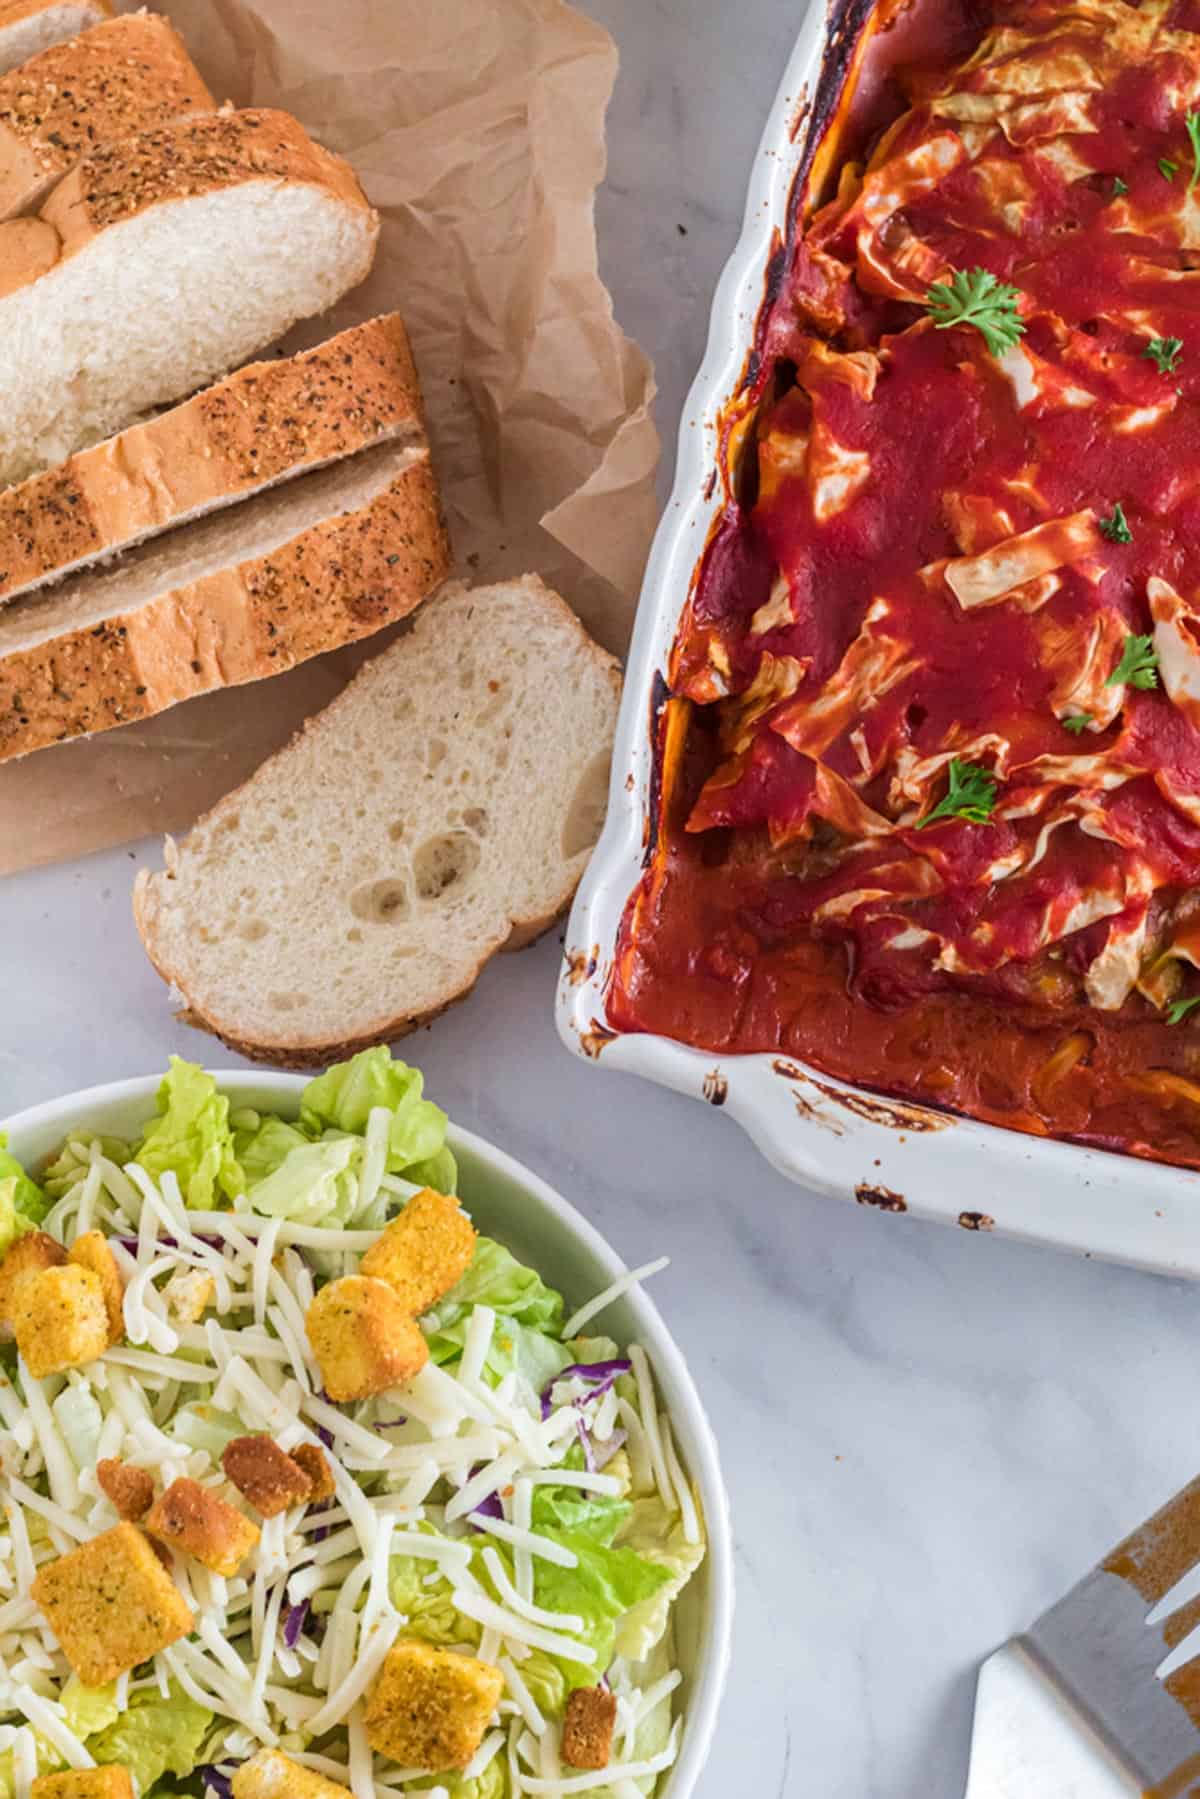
[(1179, 1623), (1163, 1549)]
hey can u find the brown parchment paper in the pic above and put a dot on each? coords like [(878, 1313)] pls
[(477, 129)]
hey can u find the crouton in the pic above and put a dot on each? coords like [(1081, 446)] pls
[(30, 1254), (85, 1783), (311, 1457), (429, 1707), (363, 1338), (131, 1490), (61, 1320), (424, 1251), (92, 1251), (195, 1521), (588, 1727), (110, 1604), (188, 1295), (272, 1775), (265, 1475)]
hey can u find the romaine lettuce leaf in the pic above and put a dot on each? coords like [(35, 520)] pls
[(192, 1137), (657, 1536), (88, 1710), (316, 1183), (261, 1150), (27, 1197), (547, 1682), (495, 1278), (70, 1166), (605, 1584), (156, 1736), (566, 1508), (343, 1098), (430, 1610), (13, 1223)]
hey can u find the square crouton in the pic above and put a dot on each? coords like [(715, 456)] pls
[(265, 1475), (61, 1320), (272, 1775), (92, 1251), (84, 1783), (588, 1727), (131, 1490), (29, 1255), (311, 1457), (191, 1519), (111, 1604), (424, 1251), (429, 1707), (363, 1338)]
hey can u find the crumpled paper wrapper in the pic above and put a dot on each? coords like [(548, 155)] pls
[(477, 130)]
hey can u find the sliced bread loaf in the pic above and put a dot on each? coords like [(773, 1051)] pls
[(246, 593), (30, 26), (441, 809), (158, 264), (126, 75), (264, 425)]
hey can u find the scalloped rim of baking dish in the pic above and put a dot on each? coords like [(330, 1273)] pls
[(818, 1131)]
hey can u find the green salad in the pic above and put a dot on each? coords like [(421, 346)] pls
[(308, 1488)]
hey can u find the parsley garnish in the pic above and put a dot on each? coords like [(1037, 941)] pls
[(1116, 526), (1076, 722), (1167, 169), (1138, 664), (976, 297), (1164, 352), (1179, 1011), (1119, 187), (1192, 121), (970, 795)]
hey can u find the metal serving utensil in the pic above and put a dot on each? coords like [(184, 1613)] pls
[(1075, 1708)]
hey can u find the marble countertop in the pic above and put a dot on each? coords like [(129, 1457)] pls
[(928, 1434)]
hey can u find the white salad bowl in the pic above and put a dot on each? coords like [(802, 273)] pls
[(510, 1203)]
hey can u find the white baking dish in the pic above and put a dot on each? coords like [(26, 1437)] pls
[(539, 1226), (816, 1130)]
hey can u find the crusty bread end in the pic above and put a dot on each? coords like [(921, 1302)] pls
[(27, 27), (441, 809), (120, 77)]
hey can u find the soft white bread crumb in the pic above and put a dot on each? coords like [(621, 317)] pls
[(441, 809), (27, 27), (160, 263)]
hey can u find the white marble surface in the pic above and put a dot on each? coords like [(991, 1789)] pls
[(927, 1434)]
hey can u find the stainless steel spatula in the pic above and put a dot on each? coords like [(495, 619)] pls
[(1075, 1709)]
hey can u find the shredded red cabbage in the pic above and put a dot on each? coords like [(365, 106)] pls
[(602, 1374), (214, 1781), (294, 1623)]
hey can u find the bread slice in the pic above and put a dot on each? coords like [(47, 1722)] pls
[(158, 264), (30, 26), (266, 424), (442, 808), (126, 75), (325, 560)]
